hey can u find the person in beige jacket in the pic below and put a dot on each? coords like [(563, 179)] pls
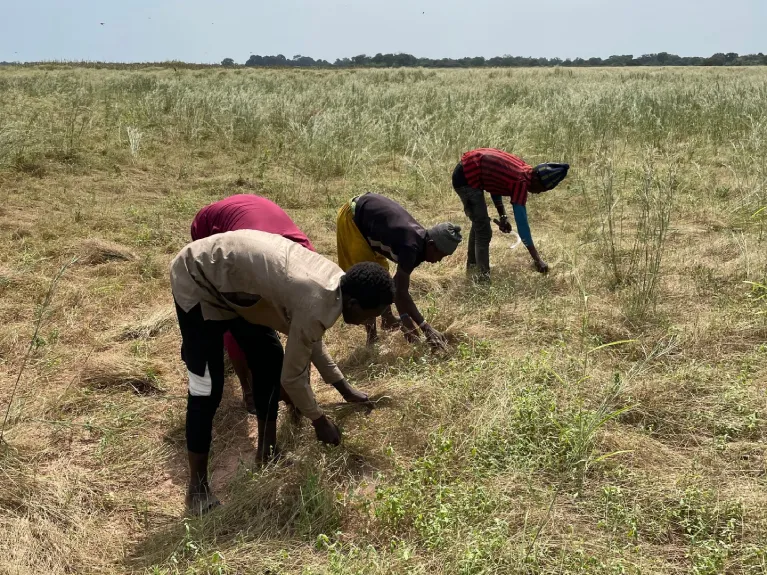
[(252, 212), (249, 283)]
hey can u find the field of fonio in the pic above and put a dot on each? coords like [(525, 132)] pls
[(607, 418)]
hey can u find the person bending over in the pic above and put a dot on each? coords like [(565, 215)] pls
[(252, 212), (500, 174), (245, 282), (374, 228)]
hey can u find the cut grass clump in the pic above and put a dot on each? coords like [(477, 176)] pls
[(298, 502), (97, 251), (33, 166), (111, 371), (153, 325)]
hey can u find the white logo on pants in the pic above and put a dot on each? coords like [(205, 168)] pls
[(200, 386)]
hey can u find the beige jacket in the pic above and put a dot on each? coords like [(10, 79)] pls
[(267, 280)]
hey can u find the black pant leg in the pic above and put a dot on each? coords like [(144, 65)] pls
[(475, 208), (202, 350), (263, 348)]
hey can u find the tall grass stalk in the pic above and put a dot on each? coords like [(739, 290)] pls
[(41, 315), (655, 197)]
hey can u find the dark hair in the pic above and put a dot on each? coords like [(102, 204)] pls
[(370, 284)]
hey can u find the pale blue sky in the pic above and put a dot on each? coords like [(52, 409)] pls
[(208, 31)]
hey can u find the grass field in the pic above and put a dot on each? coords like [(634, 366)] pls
[(606, 418)]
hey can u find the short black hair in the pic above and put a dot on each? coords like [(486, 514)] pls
[(370, 284)]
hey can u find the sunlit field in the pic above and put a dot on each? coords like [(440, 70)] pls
[(606, 418)]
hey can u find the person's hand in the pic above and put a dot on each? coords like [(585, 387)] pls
[(504, 225), (349, 393), (326, 430), (410, 333), (542, 266), (434, 338)]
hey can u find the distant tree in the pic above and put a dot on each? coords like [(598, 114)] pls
[(718, 59), (303, 61), (405, 60), (615, 60), (227, 62)]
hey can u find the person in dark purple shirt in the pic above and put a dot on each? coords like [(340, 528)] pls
[(372, 227)]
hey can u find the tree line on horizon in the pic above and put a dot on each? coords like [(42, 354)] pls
[(408, 60)]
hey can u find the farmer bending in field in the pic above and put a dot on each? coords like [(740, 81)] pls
[(500, 174), (373, 228), (251, 212), (240, 282)]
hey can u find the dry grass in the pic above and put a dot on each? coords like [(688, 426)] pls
[(94, 252), (112, 371), (531, 447), (151, 326)]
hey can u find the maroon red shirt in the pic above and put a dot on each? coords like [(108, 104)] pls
[(498, 173), (246, 212)]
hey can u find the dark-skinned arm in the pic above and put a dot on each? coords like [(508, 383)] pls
[(498, 203), (503, 221), (409, 313)]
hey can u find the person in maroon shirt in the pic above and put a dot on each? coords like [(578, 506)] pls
[(251, 212)]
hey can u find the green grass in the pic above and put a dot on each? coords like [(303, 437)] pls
[(607, 418)]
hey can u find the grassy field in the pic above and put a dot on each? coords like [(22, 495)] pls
[(606, 418)]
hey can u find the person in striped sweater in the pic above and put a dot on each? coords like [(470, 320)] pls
[(500, 174)]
